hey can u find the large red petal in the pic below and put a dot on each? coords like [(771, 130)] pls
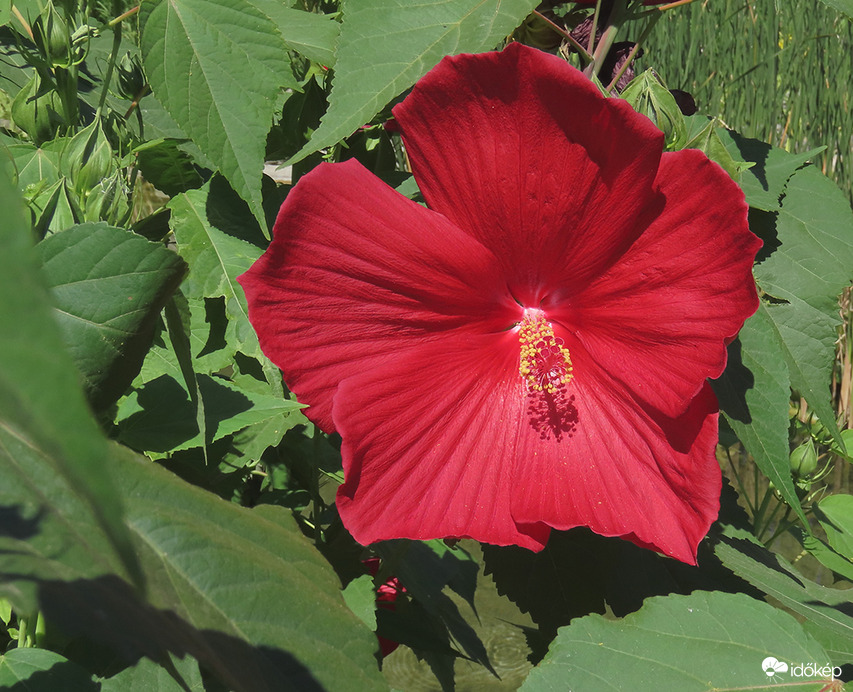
[(523, 152), (357, 273), (622, 470), (659, 319), (429, 445)]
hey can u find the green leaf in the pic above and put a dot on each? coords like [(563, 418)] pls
[(242, 591), (216, 259), (167, 167), (824, 554), (845, 6), (108, 288), (49, 443), (707, 140), (385, 47), (312, 35), (808, 336), (39, 670), (702, 642), (161, 417), (217, 67), (825, 610), (764, 183), (360, 596), (754, 393), (147, 676), (811, 258), (835, 514)]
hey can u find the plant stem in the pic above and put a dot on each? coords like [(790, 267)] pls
[(651, 24), (118, 20), (108, 75), (587, 58)]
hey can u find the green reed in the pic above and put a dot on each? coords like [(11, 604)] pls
[(777, 71)]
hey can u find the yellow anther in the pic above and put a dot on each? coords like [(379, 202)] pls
[(545, 364)]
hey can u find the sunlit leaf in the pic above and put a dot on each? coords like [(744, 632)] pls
[(108, 286), (217, 67), (703, 642), (385, 47), (754, 394)]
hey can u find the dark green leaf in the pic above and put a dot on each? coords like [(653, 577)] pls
[(167, 167), (217, 67), (50, 445), (697, 643), (108, 287), (160, 416), (385, 48)]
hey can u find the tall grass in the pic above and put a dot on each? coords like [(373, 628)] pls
[(774, 70)]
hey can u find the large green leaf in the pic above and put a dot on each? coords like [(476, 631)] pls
[(216, 259), (826, 610), (385, 47), (754, 393), (807, 261), (242, 591), (217, 66), (49, 443), (108, 287), (696, 643)]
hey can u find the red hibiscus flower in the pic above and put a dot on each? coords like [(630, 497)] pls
[(531, 351)]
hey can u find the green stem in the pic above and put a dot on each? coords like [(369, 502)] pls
[(758, 523), (651, 24), (108, 75), (614, 24)]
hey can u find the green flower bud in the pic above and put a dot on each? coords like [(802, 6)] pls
[(108, 201), (804, 460), (37, 114), (648, 96), (88, 158), (51, 35), (131, 79), (54, 209)]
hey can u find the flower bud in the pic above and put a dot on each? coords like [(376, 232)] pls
[(131, 79), (37, 114), (88, 157), (108, 201), (651, 98), (51, 35), (804, 460)]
